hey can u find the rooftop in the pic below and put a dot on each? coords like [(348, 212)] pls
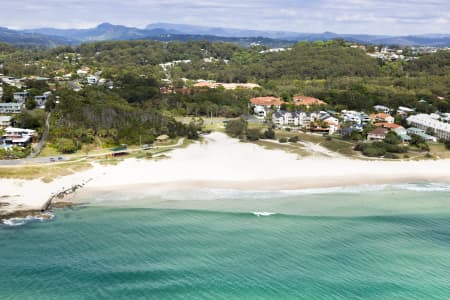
[(266, 101), (308, 101)]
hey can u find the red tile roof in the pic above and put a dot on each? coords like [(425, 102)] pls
[(379, 131), (388, 125), (308, 101), (381, 116), (266, 101)]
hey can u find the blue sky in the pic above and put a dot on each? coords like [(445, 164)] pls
[(346, 16)]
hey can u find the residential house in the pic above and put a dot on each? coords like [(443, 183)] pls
[(41, 100), (92, 80), (262, 105), (405, 110), (5, 121), (18, 136), (403, 134), (421, 133), (21, 97), (10, 108), (82, 73), (441, 130), (296, 119), (381, 117), (382, 109), (378, 134)]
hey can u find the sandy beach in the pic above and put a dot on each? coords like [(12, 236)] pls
[(223, 163)]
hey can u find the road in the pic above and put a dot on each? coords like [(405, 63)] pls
[(64, 158)]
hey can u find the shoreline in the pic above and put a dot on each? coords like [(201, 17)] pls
[(219, 163)]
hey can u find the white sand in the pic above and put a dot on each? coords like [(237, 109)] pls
[(222, 162)]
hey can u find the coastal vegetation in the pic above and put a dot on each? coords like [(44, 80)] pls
[(132, 109)]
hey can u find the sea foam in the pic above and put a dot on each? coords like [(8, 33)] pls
[(28, 219)]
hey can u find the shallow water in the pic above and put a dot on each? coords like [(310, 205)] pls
[(388, 242)]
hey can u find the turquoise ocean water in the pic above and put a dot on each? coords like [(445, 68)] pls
[(390, 242)]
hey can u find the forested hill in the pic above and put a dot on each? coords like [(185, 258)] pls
[(343, 76)]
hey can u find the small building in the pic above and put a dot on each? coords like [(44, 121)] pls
[(283, 118), (5, 121), (162, 138), (382, 117), (10, 108), (414, 130), (41, 100), (377, 135), (382, 109), (92, 80), (21, 97), (18, 136)]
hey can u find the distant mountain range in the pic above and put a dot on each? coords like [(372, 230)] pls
[(50, 37)]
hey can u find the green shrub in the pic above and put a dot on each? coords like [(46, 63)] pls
[(293, 139), (66, 145), (269, 134), (253, 134), (391, 156), (283, 140)]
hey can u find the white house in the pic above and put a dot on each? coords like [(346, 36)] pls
[(5, 121), (92, 80), (21, 97), (283, 118), (18, 136), (441, 130), (41, 100), (382, 108), (262, 105), (10, 108)]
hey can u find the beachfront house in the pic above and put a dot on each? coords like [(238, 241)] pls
[(441, 130), (294, 119), (18, 136), (377, 135), (403, 134)]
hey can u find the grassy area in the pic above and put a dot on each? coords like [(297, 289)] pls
[(287, 147), (341, 147), (335, 145), (45, 172), (439, 151), (48, 150)]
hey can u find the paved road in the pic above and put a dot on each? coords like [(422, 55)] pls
[(62, 158)]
